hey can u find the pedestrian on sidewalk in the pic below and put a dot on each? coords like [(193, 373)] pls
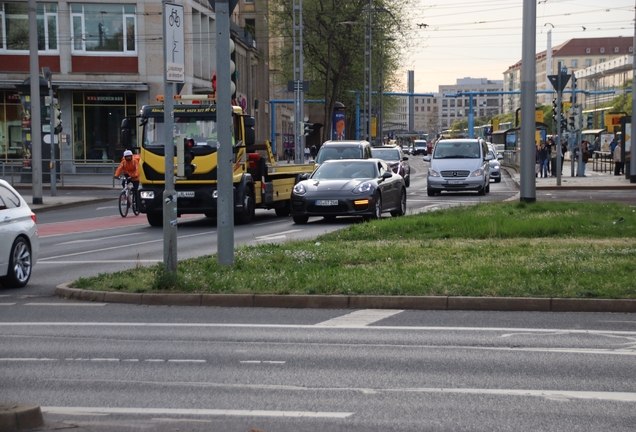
[(306, 154), (618, 161), (543, 160)]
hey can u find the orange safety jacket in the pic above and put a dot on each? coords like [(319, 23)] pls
[(131, 168)]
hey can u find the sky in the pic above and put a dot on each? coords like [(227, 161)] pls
[(483, 38)]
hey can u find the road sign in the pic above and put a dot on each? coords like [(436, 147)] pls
[(175, 47), (554, 80)]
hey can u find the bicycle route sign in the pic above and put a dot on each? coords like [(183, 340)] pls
[(174, 24)]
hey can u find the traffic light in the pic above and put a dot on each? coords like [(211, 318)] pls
[(57, 118), (554, 110), (232, 68), (185, 156), (564, 123), (590, 121), (572, 122), (308, 128)]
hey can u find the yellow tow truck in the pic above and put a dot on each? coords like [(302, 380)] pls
[(258, 181)]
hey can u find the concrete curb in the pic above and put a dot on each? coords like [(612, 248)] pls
[(528, 304), (50, 207), (15, 417)]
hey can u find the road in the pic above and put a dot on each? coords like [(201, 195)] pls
[(116, 367)]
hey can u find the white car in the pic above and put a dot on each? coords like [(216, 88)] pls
[(19, 241)]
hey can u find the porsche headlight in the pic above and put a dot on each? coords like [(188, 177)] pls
[(365, 187), (300, 189), (477, 173), (433, 173)]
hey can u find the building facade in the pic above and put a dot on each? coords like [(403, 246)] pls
[(575, 54), (107, 61), (455, 103)]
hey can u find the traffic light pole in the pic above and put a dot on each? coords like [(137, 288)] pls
[(52, 137), (559, 163)]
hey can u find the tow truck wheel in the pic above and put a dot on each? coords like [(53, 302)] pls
[(247, 213), (155, 219), (283, 210)]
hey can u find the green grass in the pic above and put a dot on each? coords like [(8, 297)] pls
[(569, 250)]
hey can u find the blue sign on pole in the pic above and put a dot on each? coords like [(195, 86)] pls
[(338, 125)]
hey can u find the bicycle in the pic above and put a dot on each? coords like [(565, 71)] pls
[(127, 198)]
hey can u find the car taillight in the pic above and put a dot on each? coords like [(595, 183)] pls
[(33, 217)]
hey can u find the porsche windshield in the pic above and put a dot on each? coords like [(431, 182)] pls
[(344, 170)]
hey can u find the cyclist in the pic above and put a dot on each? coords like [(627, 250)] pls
[(129, 166)]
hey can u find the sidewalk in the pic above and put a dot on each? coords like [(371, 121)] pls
[(593, 180)]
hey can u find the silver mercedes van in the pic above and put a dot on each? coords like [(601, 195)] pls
[(459, 165)]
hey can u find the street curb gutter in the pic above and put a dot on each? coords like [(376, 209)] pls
[(15, 417), (59, 206), (511, 304)]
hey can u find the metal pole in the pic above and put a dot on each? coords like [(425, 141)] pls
[(471, 117), (169, 193), (528, 99), (225, 200), (370, 69), (559, 141), (52, 136), (632, 162), (36, 118), (548, 66)]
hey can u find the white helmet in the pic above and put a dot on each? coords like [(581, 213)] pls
[(127, 153)]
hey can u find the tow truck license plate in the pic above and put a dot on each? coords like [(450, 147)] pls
[(326, 202), (185, 194)]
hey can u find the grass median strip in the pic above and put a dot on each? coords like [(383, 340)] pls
[(568, 250)]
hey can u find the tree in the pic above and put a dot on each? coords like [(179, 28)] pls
[(334, 44)]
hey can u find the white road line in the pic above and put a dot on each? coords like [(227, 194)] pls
[(81, 304), (92, 240), (197, 412), (185, 361), (313, 326), (120, 246), (261, 361), (26, 359), (100, 261), (359, 318), (277, 235)]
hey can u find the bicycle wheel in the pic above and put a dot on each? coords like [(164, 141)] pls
[(123, 204), (135, 204)]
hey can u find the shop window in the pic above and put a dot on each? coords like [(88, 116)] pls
[(97, 118), (11, 144), (14, 27), (103, 28)]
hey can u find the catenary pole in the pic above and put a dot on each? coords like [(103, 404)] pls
[(36, 118), (632, 163), (528, 99)]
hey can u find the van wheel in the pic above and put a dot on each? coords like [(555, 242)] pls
[(482, 191), (488, 188), (430, 192)]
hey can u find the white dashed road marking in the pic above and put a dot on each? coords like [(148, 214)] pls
[(359, 318)]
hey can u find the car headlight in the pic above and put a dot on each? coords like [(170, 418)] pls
[(433, 173), (495, 166), (147, 194), (300, 189), (477, 173), (365, 187)]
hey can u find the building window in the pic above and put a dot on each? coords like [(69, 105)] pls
[(588, 62), (14, 27), (417, 109), (428, 108), (575, 63), (11, 143), (103, 28), (96, 125), (417, 100), (601, 60), (444, 103), (616, 49), (588, 50)]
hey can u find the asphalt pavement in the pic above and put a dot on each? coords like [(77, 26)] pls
[(80, 189)]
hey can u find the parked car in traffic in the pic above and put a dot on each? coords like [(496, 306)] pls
[(459, 165), (343, 150), (19, 241), (396, 160), (346, 187), (495, 166)]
